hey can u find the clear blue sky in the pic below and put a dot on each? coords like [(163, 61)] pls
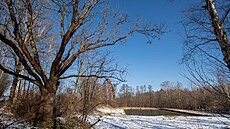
[(158, 62)]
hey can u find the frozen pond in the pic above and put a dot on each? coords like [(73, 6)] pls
[(152, 112)]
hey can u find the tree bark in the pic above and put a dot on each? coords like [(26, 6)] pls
[(46, 105), (46, 112), (12, 90), (219, 31), (14, 83)]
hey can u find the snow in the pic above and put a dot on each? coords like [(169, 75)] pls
[(115, 118), (161, 122), (7, 121), (110, 111)]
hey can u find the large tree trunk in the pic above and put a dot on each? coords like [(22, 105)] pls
[(46, 112), (47, 105)]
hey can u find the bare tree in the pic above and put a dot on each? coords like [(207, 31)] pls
[(125, 95), (4, 78), (202, 36), (150, 98), (4, 83), (108, 93), (28, 27), (89, 87), (220, 27), (207, 45)]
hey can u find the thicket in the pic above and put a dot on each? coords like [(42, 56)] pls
[(71, 107)]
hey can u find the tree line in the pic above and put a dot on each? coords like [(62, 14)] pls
[(173, 95)]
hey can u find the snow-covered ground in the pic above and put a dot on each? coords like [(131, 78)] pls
[(115, 118), (161, 122), (109, 111)]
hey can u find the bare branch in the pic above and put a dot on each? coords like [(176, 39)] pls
[(89, 76), (91, 46), (225, 16), (20, 55), (14, 20), (75, 24), (6, 70)]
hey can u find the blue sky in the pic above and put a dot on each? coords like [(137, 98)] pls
[(158, 62)]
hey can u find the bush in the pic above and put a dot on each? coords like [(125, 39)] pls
[(26, 107)]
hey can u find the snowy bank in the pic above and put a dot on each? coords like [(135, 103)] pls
[(8, 121), (190, 112), (161, 122), (109, 111), (115, 118)]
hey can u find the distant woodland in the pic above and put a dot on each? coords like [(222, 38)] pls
[(173, 95)]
